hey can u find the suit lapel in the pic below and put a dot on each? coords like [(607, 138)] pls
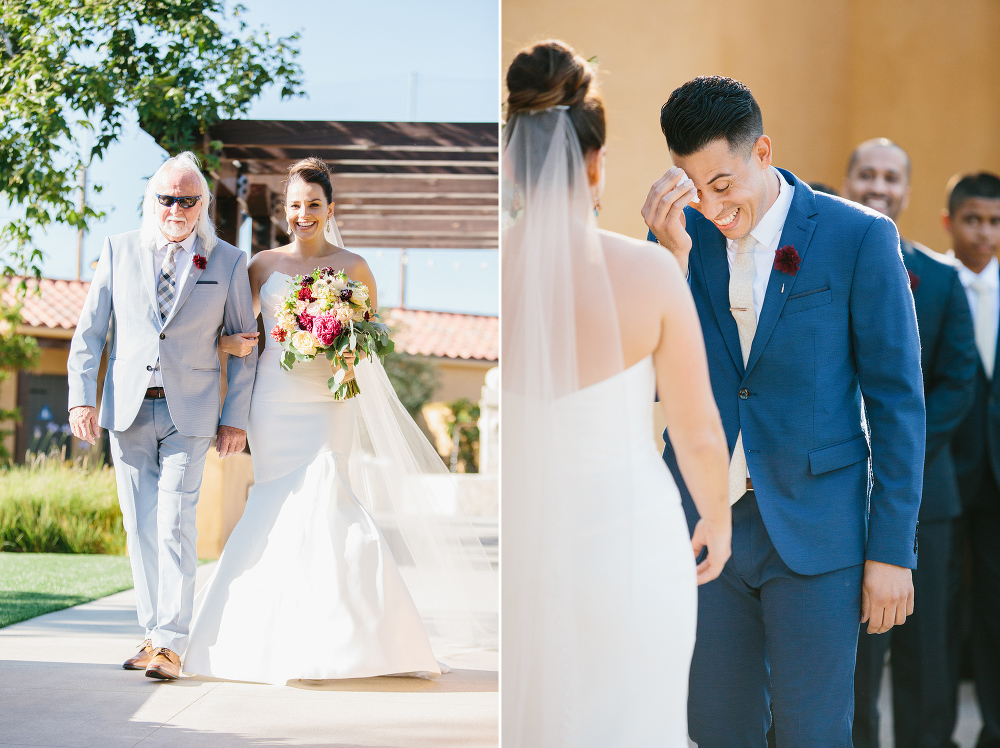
[(150, 277), (715, 270), (184, 291), (797, 231)]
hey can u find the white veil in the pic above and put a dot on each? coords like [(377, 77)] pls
[(416, 501), (332, 232), (560, 334)]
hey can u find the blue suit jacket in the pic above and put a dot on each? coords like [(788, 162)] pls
[(976, 446), (949, 360), (839, 332)]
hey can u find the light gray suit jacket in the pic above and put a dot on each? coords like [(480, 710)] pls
[(123, 296)]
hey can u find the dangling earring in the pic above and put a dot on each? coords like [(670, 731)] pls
[(597, 205)]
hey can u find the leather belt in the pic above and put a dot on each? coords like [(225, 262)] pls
[(749, 485), (155, 393)]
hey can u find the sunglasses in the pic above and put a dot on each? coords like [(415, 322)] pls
[(167, 201)]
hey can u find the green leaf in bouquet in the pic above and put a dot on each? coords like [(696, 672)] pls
[(330, 353), (389, 348), (354, 340), (339, 376), (287, 359)]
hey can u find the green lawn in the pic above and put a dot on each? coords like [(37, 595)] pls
[(35, 583)]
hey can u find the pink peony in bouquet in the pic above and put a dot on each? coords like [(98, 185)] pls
[(327, 312)]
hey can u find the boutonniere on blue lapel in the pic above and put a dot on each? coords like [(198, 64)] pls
[(914, 280), (200, 262), (787, 260)]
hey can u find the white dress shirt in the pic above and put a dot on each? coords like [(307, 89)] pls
[(183, 262), (990, 275), (766, 232)]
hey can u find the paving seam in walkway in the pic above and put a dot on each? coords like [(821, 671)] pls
[(175, 716)]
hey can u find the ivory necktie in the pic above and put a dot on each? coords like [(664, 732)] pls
[(742, 308), (986, 315), (165, 288)]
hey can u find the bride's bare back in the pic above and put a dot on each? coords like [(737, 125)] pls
[(656, 315)]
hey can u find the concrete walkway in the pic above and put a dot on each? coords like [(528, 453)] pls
[(62, 685)]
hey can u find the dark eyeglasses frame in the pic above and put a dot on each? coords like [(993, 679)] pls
[(187, 203)]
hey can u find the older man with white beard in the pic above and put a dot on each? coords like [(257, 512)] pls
[(166, 291)]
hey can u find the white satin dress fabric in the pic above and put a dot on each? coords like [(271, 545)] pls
[(622, 679), (306, 586)]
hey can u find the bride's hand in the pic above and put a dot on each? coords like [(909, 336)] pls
[(239, 344), (717, 538), (349, 359)]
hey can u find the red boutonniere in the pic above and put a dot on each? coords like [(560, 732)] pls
[(787, 260), (914, 280), (200, 262)]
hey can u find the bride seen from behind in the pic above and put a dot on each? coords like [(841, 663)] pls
[(307, 586), (599, 580)]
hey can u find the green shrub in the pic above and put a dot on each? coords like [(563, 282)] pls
[(49, 505)]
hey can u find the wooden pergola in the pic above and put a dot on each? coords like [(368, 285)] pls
[(396, 184)]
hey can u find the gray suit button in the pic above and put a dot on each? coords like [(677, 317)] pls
[(162, 336), (149, 368), (744, 393)]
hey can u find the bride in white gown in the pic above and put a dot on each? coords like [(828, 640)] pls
[(307, 586), (599, 573)]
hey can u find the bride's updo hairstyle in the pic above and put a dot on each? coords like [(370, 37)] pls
[(314, 171), (550, 74)]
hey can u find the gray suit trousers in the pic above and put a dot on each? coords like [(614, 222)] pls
[(159, 478)]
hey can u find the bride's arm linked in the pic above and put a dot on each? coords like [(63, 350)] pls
[(242, 343), (693, 420)]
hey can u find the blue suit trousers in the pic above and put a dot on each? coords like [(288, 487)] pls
[(773, 642)]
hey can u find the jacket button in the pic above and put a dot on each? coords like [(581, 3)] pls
[(744, 393), (149, 368), (162, 336)]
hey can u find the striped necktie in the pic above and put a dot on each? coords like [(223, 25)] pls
[(743, 311), (165, 288)]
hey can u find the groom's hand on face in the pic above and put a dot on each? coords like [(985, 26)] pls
[(230, 441), (886, 596), (663, 212), (83, 423)]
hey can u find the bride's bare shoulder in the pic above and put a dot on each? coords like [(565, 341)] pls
[(636, 259), (263, 262)]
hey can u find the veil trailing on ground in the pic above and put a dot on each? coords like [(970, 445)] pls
[(560, 334), (404, 485)]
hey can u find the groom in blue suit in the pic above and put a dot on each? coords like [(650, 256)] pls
[(814, 357)]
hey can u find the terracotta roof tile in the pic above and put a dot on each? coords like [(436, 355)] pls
[(464, 336), (58, 306)]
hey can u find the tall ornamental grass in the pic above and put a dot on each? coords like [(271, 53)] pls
[(50, 505)]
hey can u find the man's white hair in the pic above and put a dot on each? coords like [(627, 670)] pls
[(188, 163)]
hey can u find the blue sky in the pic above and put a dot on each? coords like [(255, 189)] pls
[(359, 61)]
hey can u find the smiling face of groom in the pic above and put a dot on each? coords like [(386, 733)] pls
[(715, 133)]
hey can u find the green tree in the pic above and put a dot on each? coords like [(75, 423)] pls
[(74, 69), (413, 377), (16, 352), (465, 417)]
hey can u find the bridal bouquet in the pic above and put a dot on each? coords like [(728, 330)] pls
[(327, 312)]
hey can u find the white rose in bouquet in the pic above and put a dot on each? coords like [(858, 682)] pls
[(305, 343)]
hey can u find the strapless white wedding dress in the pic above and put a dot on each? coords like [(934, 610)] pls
[(306, 586), (606, 644)]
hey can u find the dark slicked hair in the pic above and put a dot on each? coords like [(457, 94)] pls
[(963, 187), (708, 108)]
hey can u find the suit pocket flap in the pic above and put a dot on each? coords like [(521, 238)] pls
[(825, 459), (808, 300)]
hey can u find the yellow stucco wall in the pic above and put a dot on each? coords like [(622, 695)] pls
[(826, 74)]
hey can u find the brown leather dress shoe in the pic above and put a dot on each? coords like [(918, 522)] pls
[(142, 658), (165, 665)]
